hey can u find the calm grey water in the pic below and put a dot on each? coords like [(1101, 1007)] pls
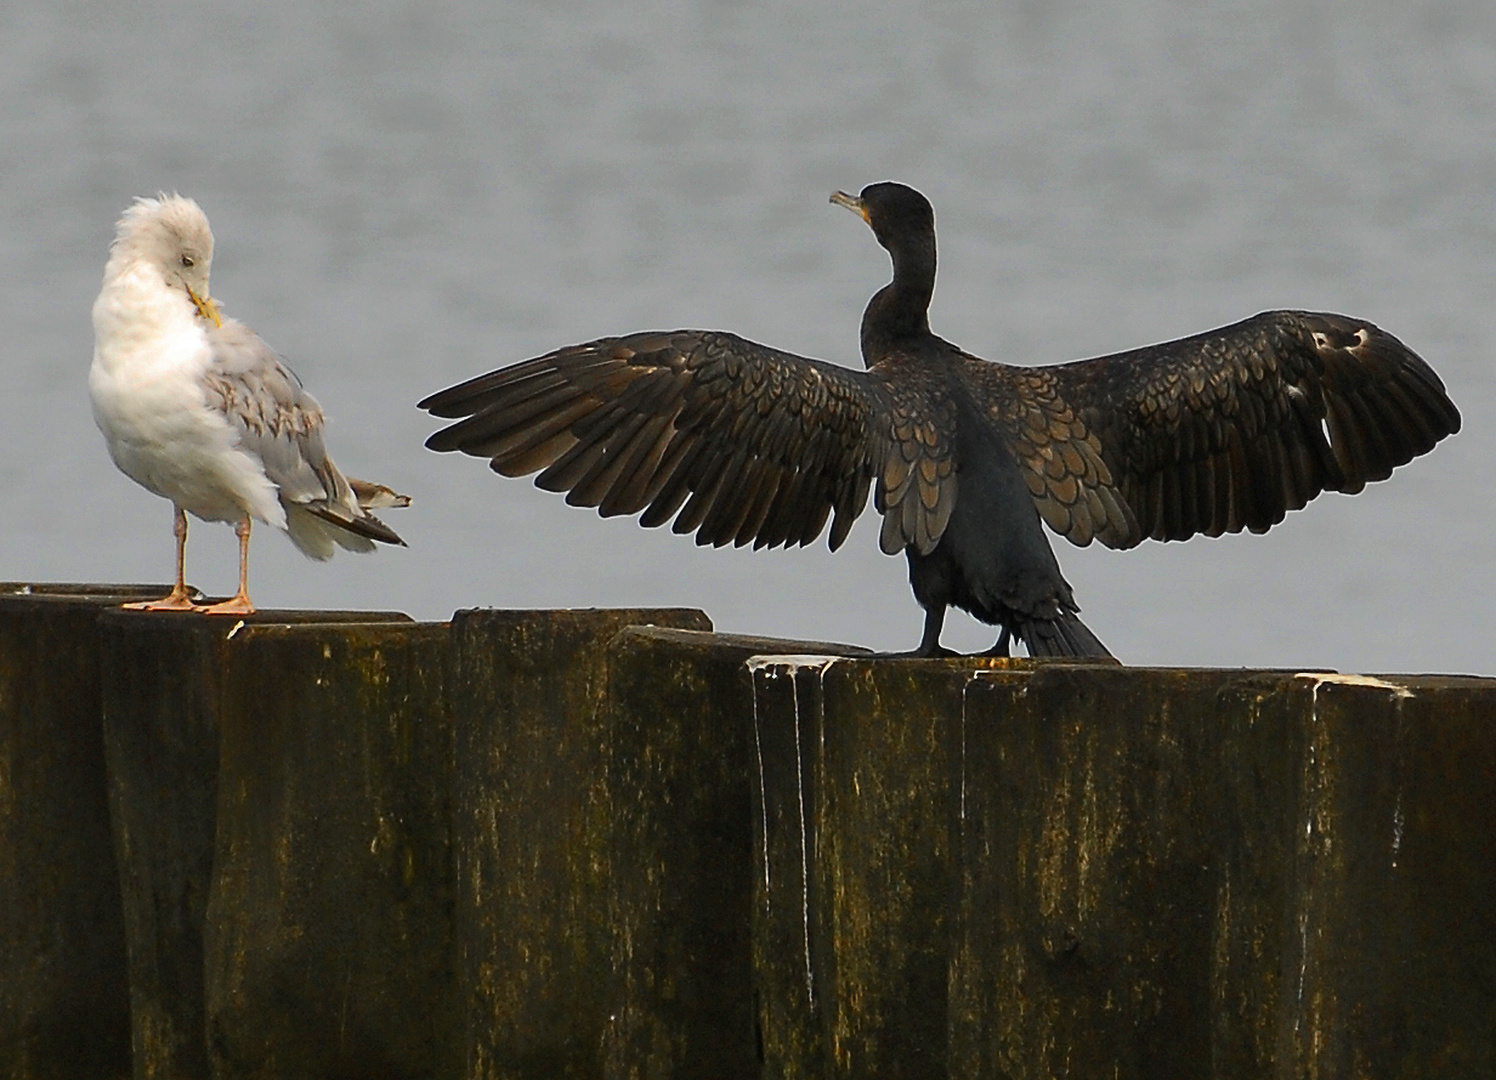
[(406, 195)]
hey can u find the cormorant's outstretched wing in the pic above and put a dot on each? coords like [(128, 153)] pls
[(1223, 431), (737, 442)]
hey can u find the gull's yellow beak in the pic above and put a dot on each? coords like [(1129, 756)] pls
[(852, 203), (205, 307)]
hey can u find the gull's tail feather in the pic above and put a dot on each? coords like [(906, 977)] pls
[(372, 496), (320, 526), (319, 530)]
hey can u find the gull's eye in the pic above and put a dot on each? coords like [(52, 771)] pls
[(187, 261)]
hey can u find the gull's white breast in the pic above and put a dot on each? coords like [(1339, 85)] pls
[(150, 355)]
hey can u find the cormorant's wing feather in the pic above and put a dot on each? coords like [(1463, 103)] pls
[(737, 442), (917, 486), (1226, 430), (1061, 459)]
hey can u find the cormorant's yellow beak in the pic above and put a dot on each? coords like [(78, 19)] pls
[(852, 203), (205, 307)]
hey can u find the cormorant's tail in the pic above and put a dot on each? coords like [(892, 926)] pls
[(1065, 636)]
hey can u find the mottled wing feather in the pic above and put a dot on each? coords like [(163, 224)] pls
[(1226, 430), (917, 486), (1062, 459), (736, 442), (278, 421)]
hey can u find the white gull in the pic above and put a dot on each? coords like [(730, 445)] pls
[(198, 409)]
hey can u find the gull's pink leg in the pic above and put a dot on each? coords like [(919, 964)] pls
[(177, 599), (238, 604)]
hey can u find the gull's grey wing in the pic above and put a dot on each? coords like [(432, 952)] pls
[(278, 421)]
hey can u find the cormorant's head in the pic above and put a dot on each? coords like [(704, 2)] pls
[(895, 211)]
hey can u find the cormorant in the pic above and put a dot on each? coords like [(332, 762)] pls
[(198, 409), (741, 443)]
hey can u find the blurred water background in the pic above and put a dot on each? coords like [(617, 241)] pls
[(404, 195)]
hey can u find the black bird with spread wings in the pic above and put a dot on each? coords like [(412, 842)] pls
[(743, 444)]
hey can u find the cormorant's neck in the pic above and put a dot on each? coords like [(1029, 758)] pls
[(901, 309)]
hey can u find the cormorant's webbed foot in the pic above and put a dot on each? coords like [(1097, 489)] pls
[(913, 654), (929, 643)]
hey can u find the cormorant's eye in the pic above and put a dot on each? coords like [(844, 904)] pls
[(187, 261)]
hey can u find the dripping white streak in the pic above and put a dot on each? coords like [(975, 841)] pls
[(763, 804), (810, 990), (793, 664)]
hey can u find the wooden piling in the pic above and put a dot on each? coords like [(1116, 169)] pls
[(538, 844), (532, 825), (328, 925), (64, 1002), (163, 679), (692, 752), (1226, 874)]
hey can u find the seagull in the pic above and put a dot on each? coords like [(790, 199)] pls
[(741, 443), (197, 408)]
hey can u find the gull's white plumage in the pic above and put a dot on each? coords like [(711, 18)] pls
[(200, 410)]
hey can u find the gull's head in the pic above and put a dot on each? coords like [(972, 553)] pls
[(170, 236)]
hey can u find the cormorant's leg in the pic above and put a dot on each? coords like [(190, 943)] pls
[(238, 604), (177, 599), (929, 644), (1001, 646)]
